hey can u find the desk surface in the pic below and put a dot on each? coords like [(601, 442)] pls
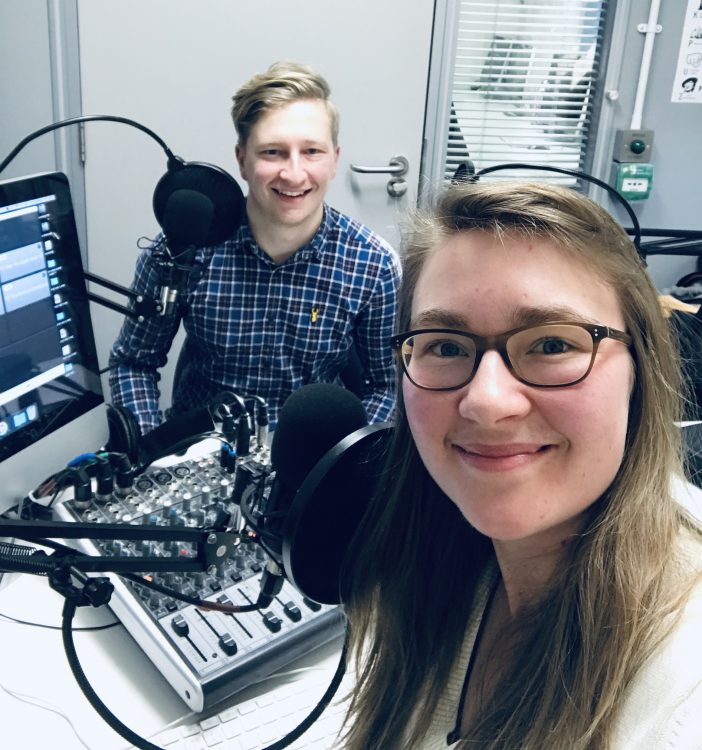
[(34, 664)]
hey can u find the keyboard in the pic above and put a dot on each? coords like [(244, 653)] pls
[(261, 719)]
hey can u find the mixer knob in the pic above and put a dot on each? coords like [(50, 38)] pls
[(225, 489), (179, 625), (272, 622), (227, 644), (292, 611)]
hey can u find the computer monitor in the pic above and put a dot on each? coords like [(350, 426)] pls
[(51, 402)]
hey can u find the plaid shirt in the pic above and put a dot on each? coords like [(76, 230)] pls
[(262, 329)]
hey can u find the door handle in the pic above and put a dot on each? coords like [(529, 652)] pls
[(397, 167)]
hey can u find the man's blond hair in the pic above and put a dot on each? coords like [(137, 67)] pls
[(282, 83)]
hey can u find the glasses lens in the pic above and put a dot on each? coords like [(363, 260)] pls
[(551, 354), (438, 360)]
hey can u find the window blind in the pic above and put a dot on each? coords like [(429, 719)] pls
[(524, 80)]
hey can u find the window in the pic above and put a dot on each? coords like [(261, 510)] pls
[(522, 86)]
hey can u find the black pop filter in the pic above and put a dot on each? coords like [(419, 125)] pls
[(327, 510), (220, 193)]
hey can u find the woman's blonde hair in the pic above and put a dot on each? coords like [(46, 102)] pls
[(282, 83), (416, 560)]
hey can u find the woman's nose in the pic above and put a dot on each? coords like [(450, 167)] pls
[(494, 393)]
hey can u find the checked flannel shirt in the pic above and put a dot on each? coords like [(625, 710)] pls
[(262, 329)]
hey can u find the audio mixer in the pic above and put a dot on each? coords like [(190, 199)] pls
[(206, 656)]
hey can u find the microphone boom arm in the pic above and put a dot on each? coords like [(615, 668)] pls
[(213, 544), (87, 118), (141, 307)]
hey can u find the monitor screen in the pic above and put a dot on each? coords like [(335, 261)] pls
[(51, 402)]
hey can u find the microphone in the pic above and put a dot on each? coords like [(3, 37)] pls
[(313, 419), (186, 224), (327, 460), (196, 205)]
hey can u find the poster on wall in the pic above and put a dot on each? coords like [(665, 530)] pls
[(687, 86)]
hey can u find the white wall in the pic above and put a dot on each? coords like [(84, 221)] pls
[(25, 85), (173, 65)]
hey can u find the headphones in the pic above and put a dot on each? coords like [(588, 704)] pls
[(465, 172), (124, 432)]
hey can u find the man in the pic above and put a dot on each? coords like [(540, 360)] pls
[(290, 297)]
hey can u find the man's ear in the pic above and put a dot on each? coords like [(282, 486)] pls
[(240, 152)]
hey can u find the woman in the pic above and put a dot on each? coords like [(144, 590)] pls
[(526, 578)]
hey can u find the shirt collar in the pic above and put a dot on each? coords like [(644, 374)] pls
[(311, 251)]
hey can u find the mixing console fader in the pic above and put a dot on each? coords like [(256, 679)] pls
[(206, 656)]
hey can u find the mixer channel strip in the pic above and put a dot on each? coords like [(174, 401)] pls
[(206, 656)]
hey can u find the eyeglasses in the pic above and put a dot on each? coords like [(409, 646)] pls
[(547, 356)]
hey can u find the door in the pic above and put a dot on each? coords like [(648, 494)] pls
[(173, 65)]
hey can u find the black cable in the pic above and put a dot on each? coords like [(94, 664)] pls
[(232, 609), (69, 610), (324, 701), (78, 120), (143, 744), (86, 629), (107, 368)]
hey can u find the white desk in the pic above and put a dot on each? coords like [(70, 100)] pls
[(34, 663)]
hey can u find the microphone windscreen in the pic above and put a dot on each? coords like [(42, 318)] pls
[(187, 218), (313, 419), (214, 184), (327, 511)]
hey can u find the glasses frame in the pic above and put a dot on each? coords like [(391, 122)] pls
[(498, 343)]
